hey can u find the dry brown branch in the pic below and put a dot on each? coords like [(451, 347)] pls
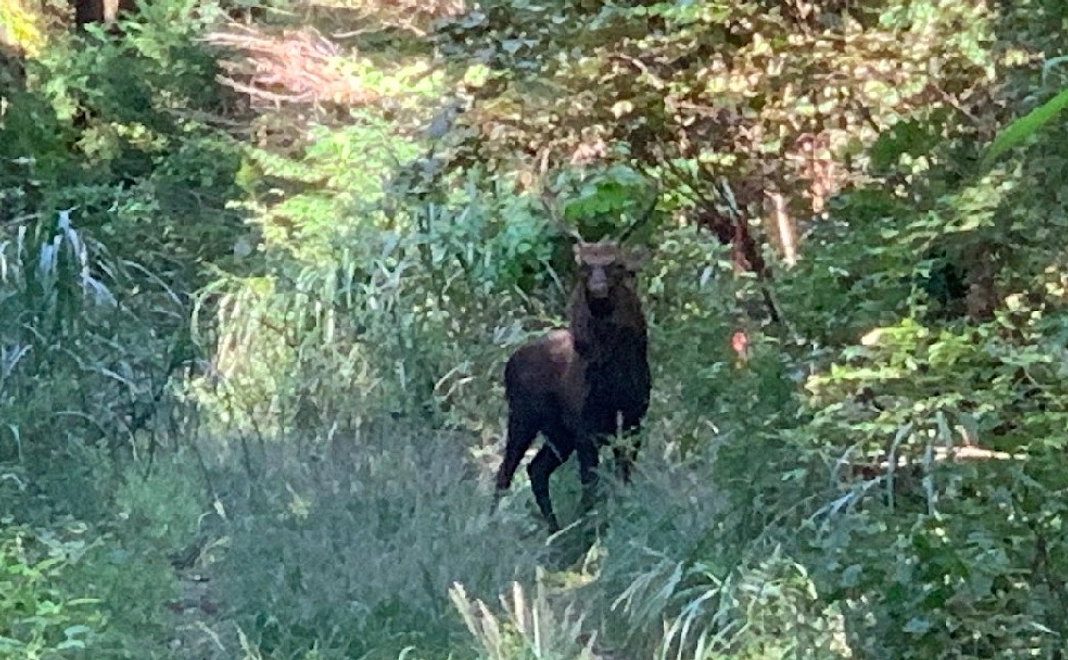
[(409, 12), (784, 224), (956, 454), (297, 67)]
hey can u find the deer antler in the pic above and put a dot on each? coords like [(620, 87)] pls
[(548, 200), (644, 216), (726, 194)]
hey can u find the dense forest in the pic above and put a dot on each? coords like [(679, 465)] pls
[(263, 262)]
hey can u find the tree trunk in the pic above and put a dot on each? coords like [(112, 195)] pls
[(100, 11)]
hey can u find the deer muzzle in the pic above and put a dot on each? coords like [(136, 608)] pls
[(597, 285)]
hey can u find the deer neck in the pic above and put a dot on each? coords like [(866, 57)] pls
[(603, 338)]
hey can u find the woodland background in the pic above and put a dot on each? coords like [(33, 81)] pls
[(261, 264)]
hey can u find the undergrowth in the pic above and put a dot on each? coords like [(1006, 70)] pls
[(250, 357)]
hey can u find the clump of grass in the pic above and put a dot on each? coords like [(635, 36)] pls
[(356, 554)]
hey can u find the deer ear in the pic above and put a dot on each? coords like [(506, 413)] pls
[(636, 258)]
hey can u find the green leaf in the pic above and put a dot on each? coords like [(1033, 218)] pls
[(917, 626), (74, 631), (1020, 130), (851, 575), (71, 644)]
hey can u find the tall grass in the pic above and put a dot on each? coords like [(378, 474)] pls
[(355, 553)]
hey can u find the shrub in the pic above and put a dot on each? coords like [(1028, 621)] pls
[(39, 615)]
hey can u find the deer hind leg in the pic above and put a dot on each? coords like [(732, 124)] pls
[(588, 459), (549, 457), (521, 434)]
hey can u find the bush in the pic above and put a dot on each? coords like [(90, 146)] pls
[(40, 615)]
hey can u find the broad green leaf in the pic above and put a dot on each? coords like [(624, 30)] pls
[(1023, 128)]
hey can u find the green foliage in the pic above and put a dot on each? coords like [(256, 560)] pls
[(959, 577), (40, 617), (130, 587), (397, 306), (87, 590), (360, 282), (51, 294), (1023, 128), (602, 197), (164, 506), (101, 136), (114, 127), (113, 190), (66, 307), (749, 536)]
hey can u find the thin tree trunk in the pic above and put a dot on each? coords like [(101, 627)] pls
[(100, 11), (785, 228)]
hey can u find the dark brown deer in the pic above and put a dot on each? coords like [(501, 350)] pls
[(581, 385)]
